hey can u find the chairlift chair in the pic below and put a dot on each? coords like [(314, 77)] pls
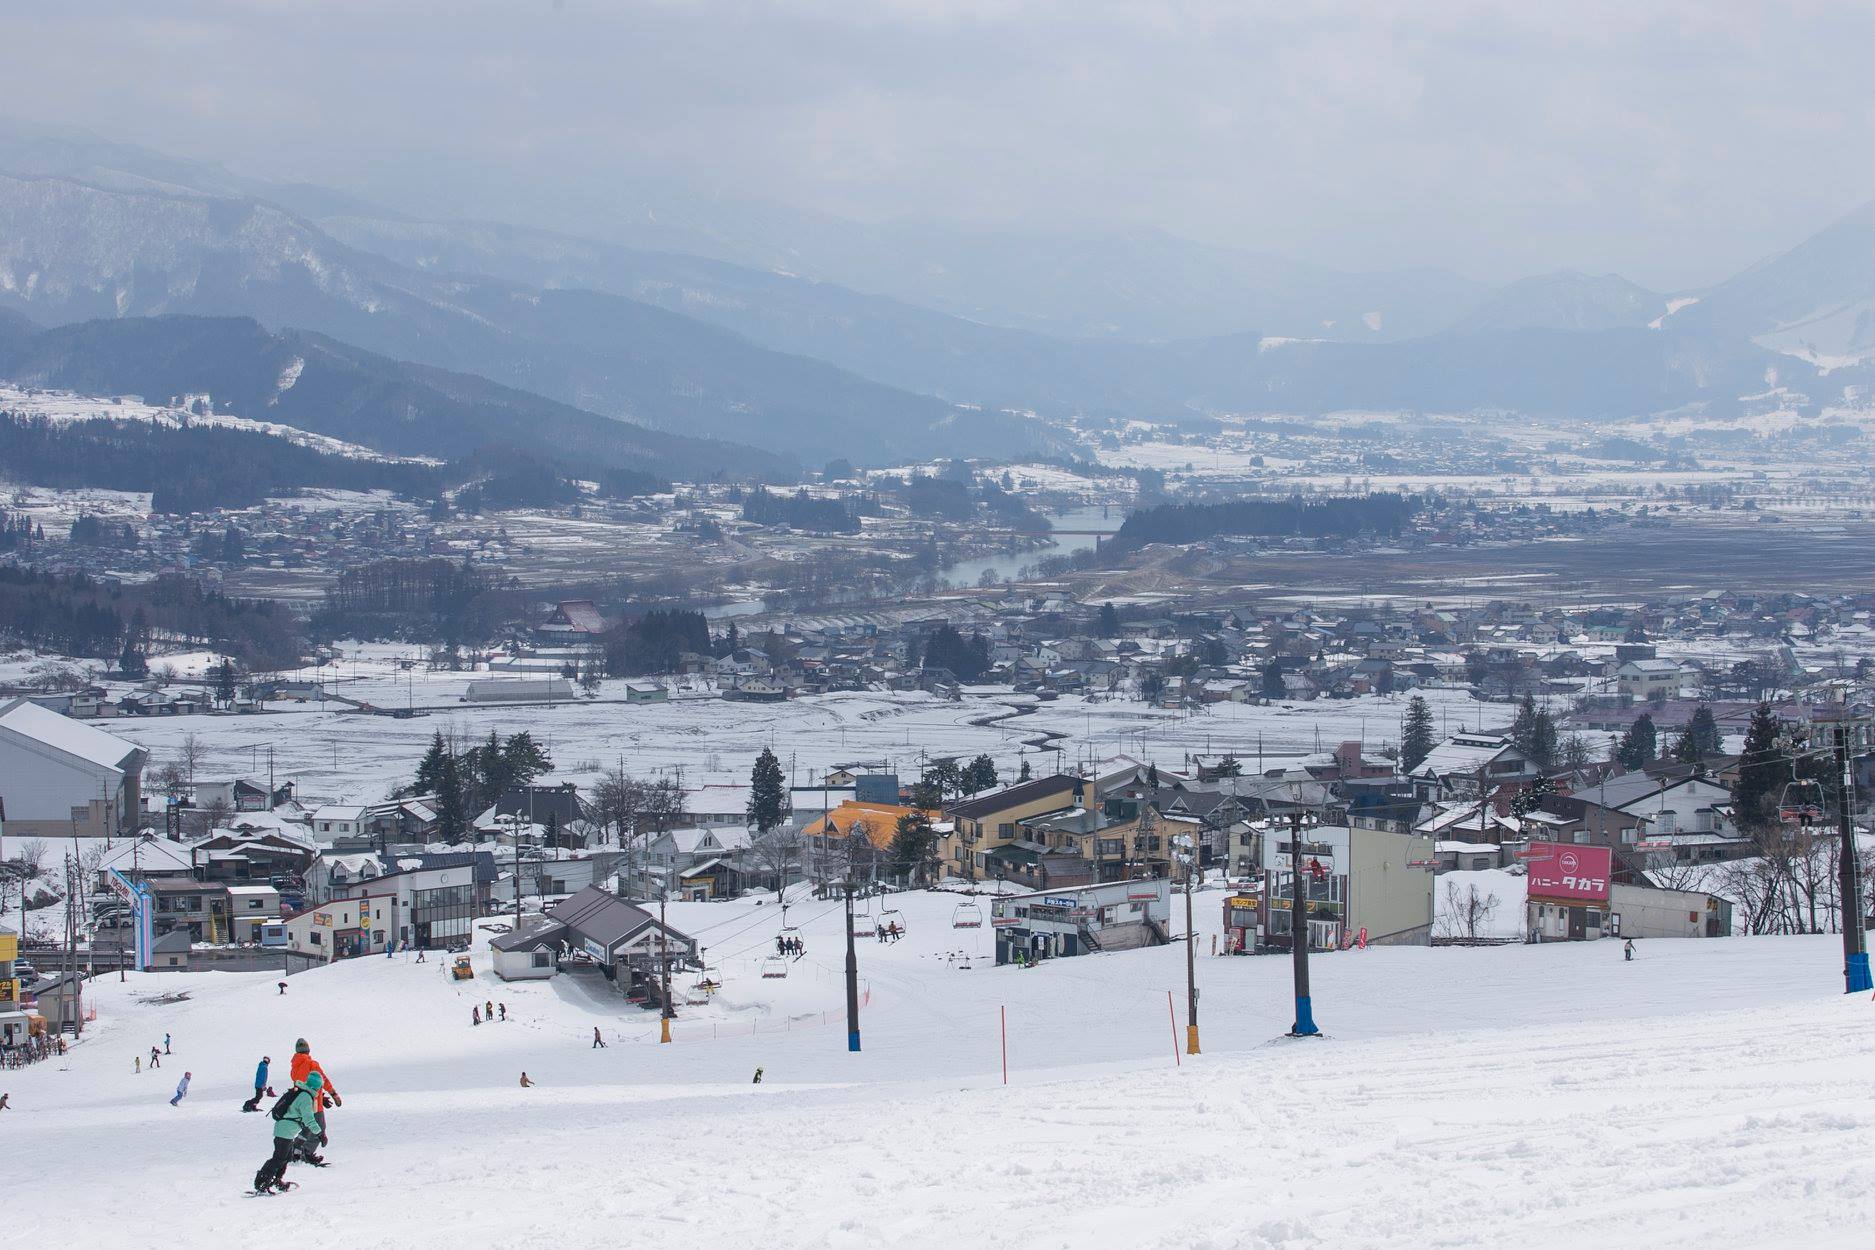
[(967, 916), (893, 916), (864, 926), (1802, 803), (774, 968)]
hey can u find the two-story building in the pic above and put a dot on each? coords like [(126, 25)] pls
[(1360, 887), (984, 823)]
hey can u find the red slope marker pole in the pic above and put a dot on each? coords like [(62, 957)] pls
[(1172, 1013)]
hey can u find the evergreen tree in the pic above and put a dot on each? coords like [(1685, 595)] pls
[(1025, 772), (1273, 687), (1762, 771), (1531, 797), (1639, 746), (1574, 752), (1152, 776), (767, 793), (1109, 624), (1229, 766), (1523, 724), (488, 777), (979, 775), (523, 760), (1416, 740), (912, 845), (452, 817), (944, 778), (224, 683), (1700, 739), (430, 767)]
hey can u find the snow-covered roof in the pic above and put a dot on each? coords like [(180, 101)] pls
[(67, 736), (146, 855)]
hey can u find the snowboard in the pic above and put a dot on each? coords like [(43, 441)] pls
[(281, 1188)]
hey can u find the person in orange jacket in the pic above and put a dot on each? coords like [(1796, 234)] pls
[(303, 1062)]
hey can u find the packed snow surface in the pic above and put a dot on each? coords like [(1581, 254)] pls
[(1710, 1092)]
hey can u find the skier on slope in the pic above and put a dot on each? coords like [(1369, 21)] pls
[(294, 1117), (304, 1063), (260, 1085), (1627, 950)]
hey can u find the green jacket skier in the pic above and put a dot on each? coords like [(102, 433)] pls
[(295, 1118)]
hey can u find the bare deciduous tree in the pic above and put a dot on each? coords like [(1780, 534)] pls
[(1467, 912)]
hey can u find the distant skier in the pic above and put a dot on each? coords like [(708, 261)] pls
[(260, 1085), (296, 1114), (165, 1043), (475, 1014), (156, 1058), (598, 1042), (525, 1082), (182, 1088), (3, 1101), (504, 1011), (488, 1011), (1627, 950), (137, 1062), (282, 985), (758, 1077)]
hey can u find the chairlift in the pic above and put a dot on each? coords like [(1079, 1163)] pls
[(702, 989), (892, 918), (1802, 803), (864, 926), (774, 968), (967, 916)]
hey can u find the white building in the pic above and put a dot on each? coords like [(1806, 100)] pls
[(1646, 680), (60, 778)]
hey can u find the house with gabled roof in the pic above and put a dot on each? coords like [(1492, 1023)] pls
[(62, 778)]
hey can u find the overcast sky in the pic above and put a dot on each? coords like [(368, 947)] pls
[(1671, 142)]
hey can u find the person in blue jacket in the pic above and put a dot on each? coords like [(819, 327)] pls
[(260, 1085), (295, 1120)]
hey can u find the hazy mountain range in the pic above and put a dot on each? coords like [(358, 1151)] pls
[(890, 344)]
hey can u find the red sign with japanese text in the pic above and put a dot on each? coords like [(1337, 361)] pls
[(1559, 870)]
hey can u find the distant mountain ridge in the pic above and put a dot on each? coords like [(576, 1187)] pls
[(1566, 300), (316, 383), (71, 251), (778, 345)]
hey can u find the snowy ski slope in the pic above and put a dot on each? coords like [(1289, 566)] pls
[(1708, 1093)]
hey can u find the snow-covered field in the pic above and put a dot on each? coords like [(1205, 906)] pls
[(1707, 1093), (351, 756)]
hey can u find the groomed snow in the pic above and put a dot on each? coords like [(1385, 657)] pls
[(1711, 1092)]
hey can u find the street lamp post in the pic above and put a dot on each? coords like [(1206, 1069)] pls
[(1299, 929), (852, 973)]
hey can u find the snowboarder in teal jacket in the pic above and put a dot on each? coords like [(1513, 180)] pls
[(296, 1118)]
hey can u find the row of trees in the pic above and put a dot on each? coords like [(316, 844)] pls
[(968, 659), (195, 468), (467, 781), (1384, 513), (77, 615)]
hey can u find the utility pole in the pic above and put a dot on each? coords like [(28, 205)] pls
[(514, 832), (664, 961), (852, 971), (1299, 933), (1855, 969), (1191, 959)]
